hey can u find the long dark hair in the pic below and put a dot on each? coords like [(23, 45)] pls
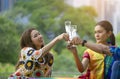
[(108, 27), (25, 40)]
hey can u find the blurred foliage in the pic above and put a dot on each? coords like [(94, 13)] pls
[(83, 17), (118, 39), (6, 69), (65, 60), (8, 41), (48, 16)]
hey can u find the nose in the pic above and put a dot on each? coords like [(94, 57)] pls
[(96, 35), (40, 36)]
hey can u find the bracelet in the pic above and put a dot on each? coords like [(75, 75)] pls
[(83, 42)]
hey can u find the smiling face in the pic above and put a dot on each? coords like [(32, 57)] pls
[(101, 35), (37, 39)]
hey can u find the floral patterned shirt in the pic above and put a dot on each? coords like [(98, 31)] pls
[(33, 64)]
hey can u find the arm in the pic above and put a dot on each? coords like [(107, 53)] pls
[(100, 48), (53, 42), (45, 49), (80, 65)]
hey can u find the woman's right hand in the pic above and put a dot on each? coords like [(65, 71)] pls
[(64, 36)]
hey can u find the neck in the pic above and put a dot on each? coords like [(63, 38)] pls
[(39, 47)]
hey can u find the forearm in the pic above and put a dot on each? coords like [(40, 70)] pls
[(78, 63), (49, 45), (93, 46), (98, 48)]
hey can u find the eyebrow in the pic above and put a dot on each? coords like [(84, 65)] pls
[(35, 33)]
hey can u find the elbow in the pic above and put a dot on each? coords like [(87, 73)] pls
[(81, 67), (81, 70)]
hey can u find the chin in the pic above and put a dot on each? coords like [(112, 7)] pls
[(42, 45), (98, 42)]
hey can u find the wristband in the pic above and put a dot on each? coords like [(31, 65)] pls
[(83, 42)]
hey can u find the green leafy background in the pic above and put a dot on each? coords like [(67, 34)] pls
[(48, 16)]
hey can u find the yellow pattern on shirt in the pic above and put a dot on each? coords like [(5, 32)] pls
[(96, 64)]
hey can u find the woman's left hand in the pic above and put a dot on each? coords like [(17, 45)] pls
[(72, 48)]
